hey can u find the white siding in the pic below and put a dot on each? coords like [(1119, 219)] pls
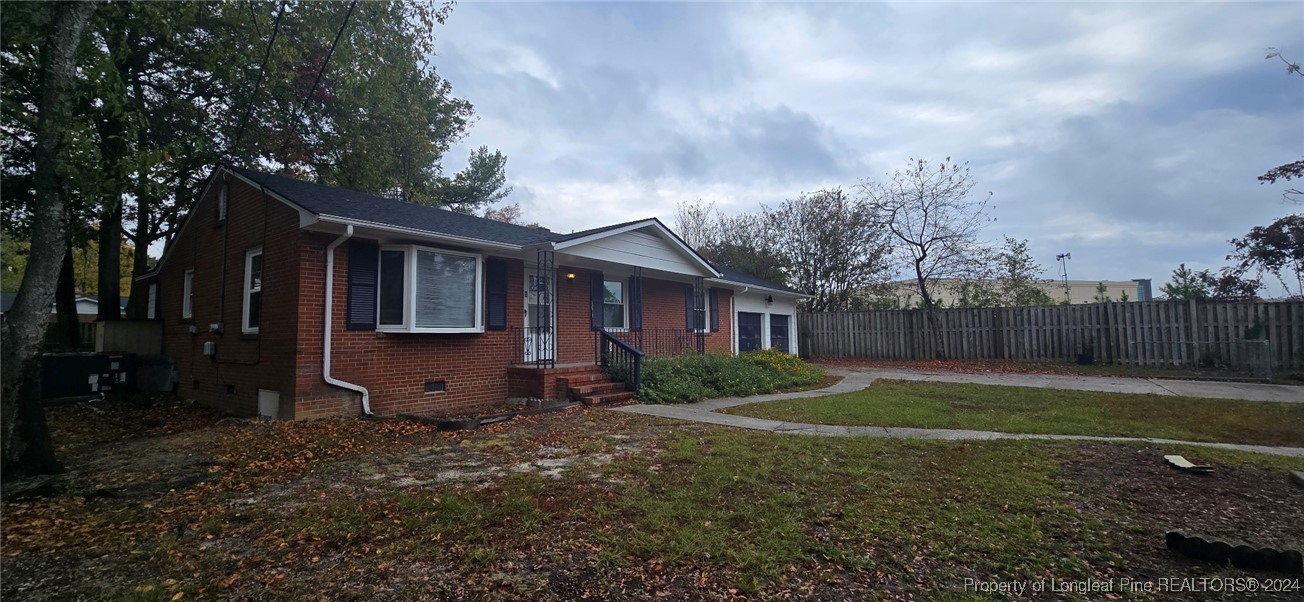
[(638, 248)]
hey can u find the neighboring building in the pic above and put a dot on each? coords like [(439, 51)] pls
[(87, 307), (1080, 291), (430, 311)]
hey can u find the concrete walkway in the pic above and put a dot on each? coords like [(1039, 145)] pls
[(706, 411), (1108, 384)]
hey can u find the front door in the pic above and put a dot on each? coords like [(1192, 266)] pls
[(540, 341), (749, 331)]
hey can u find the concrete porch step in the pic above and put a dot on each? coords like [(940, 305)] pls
[(593, 400)]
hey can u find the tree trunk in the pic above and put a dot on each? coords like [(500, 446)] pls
[(67, 327), (110, 260), (939, 348), (24, 440), (138, 300)]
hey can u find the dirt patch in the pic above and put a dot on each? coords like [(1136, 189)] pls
[(1139, 497)]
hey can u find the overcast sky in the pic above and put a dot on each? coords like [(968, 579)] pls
[(1128, 134)]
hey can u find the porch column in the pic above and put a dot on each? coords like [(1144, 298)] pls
[(542, 331)]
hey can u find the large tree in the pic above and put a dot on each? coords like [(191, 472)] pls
[(24, 439), (934, 223), (745, 242), (834, 249), (1008, 278), (172, 89)]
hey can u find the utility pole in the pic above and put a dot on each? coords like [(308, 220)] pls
[(1063, 259)]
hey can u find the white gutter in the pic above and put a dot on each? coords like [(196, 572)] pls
[(459, 240), (326, 332)]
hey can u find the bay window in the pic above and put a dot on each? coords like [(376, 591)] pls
[(429, 290)]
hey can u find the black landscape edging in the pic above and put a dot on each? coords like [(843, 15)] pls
[(1239, 555)]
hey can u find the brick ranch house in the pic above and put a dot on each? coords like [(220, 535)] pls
[(431, 312)]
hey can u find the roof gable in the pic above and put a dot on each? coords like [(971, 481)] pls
[(645, 243)]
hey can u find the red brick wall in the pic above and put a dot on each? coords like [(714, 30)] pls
[(575, 338), (217, 254), (394, 367)]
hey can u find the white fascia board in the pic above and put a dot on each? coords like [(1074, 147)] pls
[(662, 231), (737, 286), (424, 234)]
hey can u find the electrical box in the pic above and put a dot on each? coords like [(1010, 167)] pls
[(215, 328), (210, 348)]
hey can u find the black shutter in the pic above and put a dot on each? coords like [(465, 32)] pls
[(690, 312), (595, 300), (364, 263), (495, 294), (715, 309), (635, 303)]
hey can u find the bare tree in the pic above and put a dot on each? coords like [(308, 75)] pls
[(833, 248), (934, 224), (24, 438), (697, 222)]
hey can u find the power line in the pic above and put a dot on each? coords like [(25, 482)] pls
[(294, 119), (262, 74)]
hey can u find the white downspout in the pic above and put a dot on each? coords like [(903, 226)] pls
[(326, 332), (734, 309)]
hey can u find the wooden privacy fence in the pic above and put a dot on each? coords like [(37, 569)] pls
[(1158, 333)]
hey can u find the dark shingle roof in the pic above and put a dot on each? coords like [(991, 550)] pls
[(320, 199), (733, 275)]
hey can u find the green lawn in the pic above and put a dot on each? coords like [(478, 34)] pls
[(1050, 411)]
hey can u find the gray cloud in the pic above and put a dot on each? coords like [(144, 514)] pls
[(1130, 134)]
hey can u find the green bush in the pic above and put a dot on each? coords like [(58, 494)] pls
[(688, 378)]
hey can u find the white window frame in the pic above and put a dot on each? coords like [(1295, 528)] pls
[(410, 291), (248, 290), (188, 294), (223, 201), (624, 305)]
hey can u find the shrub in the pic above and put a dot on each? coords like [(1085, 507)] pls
[(696, 377)]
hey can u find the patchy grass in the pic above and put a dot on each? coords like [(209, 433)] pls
[(1049, 411), (645, 508)]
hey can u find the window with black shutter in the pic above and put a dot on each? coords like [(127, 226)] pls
[(363, 265), (496, 294)]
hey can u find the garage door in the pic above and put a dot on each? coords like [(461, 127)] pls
[(779, 332), (749, 331)]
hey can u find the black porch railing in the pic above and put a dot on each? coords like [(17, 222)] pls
[(620, 361), (663, 342)]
